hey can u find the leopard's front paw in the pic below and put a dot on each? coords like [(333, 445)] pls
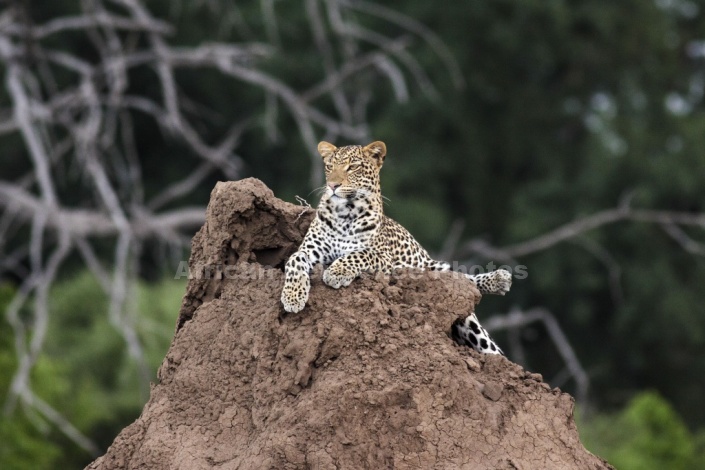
[(503, 280), (337, 279), (295, 295)]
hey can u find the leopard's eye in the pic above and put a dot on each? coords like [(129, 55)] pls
[(329, 168), (354, 166)]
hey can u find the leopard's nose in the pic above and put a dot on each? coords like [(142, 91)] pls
[(334, 186)]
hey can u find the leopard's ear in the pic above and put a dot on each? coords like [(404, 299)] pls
[(376, 150), (326, 149)]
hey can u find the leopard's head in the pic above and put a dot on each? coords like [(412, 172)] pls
[(352, 170)]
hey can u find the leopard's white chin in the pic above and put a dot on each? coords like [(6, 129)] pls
[(340, 198)]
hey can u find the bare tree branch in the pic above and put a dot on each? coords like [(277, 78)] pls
[(357, 32), (578, 227), (81, 22), (325, 48), (687, 243), (518, 319), (83, 223), (182, 187), (412, 25), (613, 269), (63, 424), (21, 106)]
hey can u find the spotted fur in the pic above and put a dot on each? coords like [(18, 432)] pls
[(350, 234)]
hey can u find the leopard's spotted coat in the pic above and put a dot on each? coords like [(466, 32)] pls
[(350, 234)]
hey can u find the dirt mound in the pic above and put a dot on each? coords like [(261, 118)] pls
[(363, 377)]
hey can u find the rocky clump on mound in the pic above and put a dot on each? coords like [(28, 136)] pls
[(364, 377)]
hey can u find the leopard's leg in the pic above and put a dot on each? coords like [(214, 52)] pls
[(297, 282), (468, 331), (496, 282), (346, 268)]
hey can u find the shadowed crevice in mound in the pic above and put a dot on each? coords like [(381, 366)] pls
[(363, 377), (245, 223)]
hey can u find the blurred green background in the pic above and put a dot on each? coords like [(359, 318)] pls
[(507, 120)]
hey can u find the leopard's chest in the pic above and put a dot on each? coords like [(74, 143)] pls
[(348, 226)]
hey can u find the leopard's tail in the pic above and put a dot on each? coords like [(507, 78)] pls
[(468, 331)]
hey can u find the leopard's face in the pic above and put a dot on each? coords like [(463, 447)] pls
[(353, 170)]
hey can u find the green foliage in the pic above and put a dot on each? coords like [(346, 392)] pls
[(86, 370), (648, 434), (23, 444), (105, 393)]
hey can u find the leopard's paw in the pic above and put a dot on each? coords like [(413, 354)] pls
[(503, 281), (336, 280), (295, 295)]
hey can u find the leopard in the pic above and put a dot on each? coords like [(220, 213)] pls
[(350, 234)]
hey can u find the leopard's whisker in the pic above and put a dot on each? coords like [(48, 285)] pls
[(320, 190)]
